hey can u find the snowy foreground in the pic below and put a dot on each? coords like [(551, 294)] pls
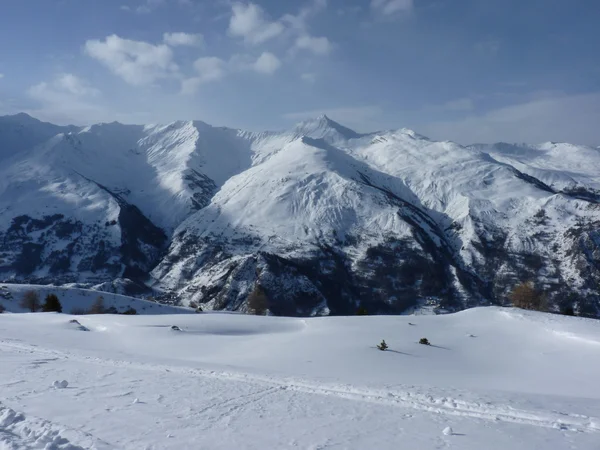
[(493, 379)]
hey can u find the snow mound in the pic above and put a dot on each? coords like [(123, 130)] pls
[(21, 432)]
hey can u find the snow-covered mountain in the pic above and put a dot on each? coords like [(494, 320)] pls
[(322, 218)]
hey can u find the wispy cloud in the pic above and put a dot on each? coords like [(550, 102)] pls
[(316, 45), (211, 69), (66, 99), (207, 69), (570, 118), (183, 39), (389, 7), (309, 77)]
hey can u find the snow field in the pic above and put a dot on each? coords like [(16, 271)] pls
[(498, 378)]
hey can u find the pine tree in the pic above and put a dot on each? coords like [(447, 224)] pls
[(52, 304), (258, 302)]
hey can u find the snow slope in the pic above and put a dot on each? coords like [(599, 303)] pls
[(499, 378), (82, 299)]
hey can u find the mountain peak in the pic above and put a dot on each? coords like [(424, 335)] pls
[(322, 127)]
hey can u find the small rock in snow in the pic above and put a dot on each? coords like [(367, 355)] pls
[(64, 384), (448, 431), (56, 385), (136, 400)]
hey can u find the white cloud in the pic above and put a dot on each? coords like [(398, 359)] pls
[(388, 7), (66, 99), (316, 45), (566, 118), (250, 22), (267, 63), (183, 39), (208, 69), (137, 62), (70, 83), (149, 6), (299, 21)]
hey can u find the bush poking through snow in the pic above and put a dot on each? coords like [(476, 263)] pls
[(31, 301), (424, 341), (98, 306), (568, 310), (526, 296), (362, 311), (383, 346), (130, 311), (52, 304), (258, 302)]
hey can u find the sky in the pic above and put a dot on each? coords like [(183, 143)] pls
[(463, 70)]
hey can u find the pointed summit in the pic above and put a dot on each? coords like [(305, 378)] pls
[(322, 127)]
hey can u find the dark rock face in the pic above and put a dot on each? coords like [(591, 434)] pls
[(70, 249)]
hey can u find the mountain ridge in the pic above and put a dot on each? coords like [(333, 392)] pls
[(322, 218)]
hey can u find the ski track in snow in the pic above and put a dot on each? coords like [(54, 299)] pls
[(407, 399)]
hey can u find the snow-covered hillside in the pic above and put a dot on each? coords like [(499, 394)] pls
[(72, 298), (322, 218), (492, 379)]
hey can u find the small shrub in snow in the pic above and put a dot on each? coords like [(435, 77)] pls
[(98, 306), (424, 341), (130, 312), (31, 301), (52, 304), (362, 311), (567, 310), (383, 346)]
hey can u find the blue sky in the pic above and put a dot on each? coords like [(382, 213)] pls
[(464, 70)]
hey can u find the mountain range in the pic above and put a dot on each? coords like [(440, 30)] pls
[(322, 219)]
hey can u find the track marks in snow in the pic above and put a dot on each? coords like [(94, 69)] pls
[(408, 399), (20, 432)]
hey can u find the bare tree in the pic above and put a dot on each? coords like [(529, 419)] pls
[(98, 306), (31, 301), (258, 302), (526, 296)]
